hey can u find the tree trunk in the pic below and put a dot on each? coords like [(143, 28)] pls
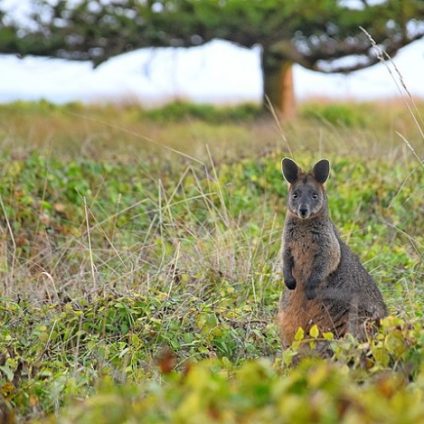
[(279, 88)]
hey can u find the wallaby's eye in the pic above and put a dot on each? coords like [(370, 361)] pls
[(295, 195), (314, 196)]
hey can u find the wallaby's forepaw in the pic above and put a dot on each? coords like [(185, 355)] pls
[(310, 288), (310, 293), (290, 283)]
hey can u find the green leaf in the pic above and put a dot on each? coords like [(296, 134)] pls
[(314, 331), (328, 335), (300, 334), (7, 372)]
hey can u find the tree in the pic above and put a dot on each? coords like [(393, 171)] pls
[(321, 35)]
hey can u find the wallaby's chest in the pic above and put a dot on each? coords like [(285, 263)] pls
[(303, 243), (304, 247), (309, 243)]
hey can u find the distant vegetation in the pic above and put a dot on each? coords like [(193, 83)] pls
[(339, 114), (139, 264), (172, 111)]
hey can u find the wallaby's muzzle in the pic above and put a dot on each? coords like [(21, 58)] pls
[(303, 212)]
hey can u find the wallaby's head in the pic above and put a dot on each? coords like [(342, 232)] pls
[(306, 190)]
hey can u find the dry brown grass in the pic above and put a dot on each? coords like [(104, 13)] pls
[(108, 133)]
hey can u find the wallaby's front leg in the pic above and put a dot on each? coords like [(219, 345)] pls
[(288, 263), (318, 274)]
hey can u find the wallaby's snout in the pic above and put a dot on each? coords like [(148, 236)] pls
[(304, 211)]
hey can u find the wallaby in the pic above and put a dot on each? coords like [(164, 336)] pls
[(327, 285)]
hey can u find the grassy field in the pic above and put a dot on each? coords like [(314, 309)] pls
[(140, 270)]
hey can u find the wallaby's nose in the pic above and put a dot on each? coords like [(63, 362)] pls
[(303, 212)]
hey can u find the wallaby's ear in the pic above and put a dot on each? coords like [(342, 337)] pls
[(321, 170), (290, 170)]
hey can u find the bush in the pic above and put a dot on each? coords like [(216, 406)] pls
[(348, 115), (179, 111)]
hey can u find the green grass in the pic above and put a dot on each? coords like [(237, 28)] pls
[(143, 283), (339, 114)]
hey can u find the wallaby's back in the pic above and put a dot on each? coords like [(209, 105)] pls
[(328, 285)]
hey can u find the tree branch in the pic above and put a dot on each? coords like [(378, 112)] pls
[(373, 59)]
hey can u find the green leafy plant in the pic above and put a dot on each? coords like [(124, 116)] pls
[(144, 286)]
